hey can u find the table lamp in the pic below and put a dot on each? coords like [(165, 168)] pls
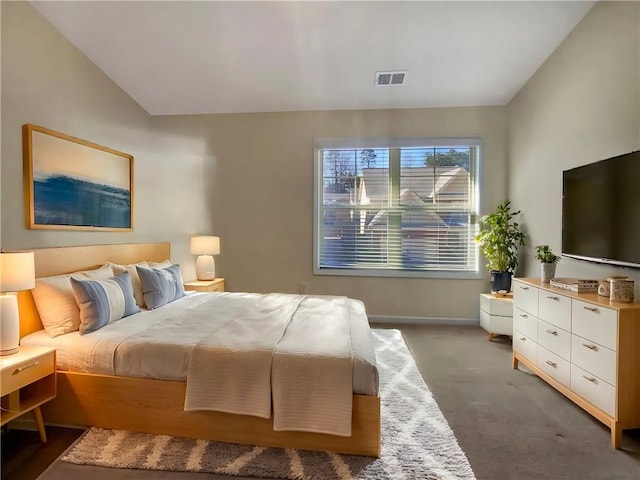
[(17, 273), (205, 247)]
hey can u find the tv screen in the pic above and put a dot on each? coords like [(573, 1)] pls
[(601, 211)]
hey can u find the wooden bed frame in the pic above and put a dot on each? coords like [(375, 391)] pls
[(157, 406)]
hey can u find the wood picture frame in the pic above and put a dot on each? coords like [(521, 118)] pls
[(74, 184)]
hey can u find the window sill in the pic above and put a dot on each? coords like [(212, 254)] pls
[(383, 273)]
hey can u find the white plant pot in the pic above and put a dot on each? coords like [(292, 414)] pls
[(547, 272)]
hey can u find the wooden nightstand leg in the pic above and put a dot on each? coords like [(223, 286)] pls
[(37, 413), (491, 337), (514, 362)]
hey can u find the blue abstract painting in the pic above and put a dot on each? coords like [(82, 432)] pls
[(63, 200), (77, 184)]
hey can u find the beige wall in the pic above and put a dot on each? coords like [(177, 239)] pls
[(247, 178), (48, 82), (581, 106), (262, 199)]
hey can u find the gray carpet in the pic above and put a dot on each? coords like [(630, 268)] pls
[(510, 424), (416, 440)]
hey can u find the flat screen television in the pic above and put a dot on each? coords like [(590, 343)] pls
[(601, 211)]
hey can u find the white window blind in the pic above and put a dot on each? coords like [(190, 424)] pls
[(403, 208)]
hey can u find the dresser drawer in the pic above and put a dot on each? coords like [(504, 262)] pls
[(27, 372), (525, 297), (218, 287), (554, 339), (526, 323), (554, 366), (525, 346), (594, 390), (595, 323), (500, 306), (496, 324), (594, 358), (215, 285), (555, 309)]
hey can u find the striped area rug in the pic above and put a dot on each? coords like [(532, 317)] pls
[(417, 442)]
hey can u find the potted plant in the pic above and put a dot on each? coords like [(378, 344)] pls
[(499, 238), (548, 261)]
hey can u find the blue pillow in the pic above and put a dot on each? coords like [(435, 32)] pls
[(103, 301), (160, 285)]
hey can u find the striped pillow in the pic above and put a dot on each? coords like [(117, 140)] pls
[(103, 301), (161, 285), (135, 278), (57, 307)]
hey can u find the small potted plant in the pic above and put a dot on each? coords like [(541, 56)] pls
[(499, 239), (548, 261)]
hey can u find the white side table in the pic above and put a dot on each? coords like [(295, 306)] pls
[(496, 314), (28, 379)]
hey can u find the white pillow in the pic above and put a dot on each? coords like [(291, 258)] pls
[(163, 264), (135, 278), (56, 304)]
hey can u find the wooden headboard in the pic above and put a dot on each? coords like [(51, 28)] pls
[(61, 260)]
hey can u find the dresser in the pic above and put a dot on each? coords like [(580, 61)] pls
[(583, 345)]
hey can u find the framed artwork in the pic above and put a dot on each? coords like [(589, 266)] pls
[(72, 184)]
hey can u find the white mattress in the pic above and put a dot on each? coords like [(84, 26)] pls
[(157, 343)]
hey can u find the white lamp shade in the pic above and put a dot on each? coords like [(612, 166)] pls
[(17, 271), (205, 245)]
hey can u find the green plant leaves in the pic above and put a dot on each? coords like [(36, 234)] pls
[(499, 238), (544, 254)]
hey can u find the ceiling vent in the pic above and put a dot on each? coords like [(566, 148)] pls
[(390, 78)]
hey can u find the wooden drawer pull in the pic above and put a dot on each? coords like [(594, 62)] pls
[(553, 364), (591, 309), (590, 347), (591, 379), (18, 370), (551, 297), (552, 332)]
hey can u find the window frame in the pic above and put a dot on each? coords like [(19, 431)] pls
[(321, 144)]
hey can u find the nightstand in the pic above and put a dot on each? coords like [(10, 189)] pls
[(28, 380), (496, 314), (215, 285)]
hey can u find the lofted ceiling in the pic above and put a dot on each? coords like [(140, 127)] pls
[(194, 57)]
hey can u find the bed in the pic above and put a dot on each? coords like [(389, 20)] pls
[(106, 399)]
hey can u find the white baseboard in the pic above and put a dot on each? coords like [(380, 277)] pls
[(423, 320), (27, 423), (23, 424)]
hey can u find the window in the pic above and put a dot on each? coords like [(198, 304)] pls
[(402, 207)]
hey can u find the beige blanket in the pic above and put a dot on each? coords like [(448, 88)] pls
[(295, 350), (230, 369), (311, 381)]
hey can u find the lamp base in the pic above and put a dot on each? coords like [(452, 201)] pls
[(9, 324), (205, 267)]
